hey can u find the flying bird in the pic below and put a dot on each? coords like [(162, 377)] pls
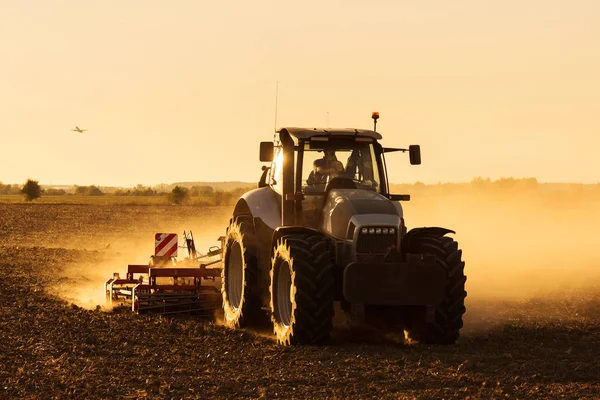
[(78, 129)]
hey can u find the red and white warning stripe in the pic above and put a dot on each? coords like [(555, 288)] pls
[(165, 244)]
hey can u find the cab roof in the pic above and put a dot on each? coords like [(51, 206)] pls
[(307, 133)]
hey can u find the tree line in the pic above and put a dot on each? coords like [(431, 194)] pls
[(178, 195), (207, 195)]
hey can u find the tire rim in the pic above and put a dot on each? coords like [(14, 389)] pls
[(235, 275), (284, 290)]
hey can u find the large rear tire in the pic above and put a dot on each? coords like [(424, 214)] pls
[(302, 290), (447, 321), (241, 307)]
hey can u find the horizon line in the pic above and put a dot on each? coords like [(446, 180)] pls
[(249, 183)]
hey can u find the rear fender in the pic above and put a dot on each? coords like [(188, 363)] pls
[(416, 233), (260, 203)]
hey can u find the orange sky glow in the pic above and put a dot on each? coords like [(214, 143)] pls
[(185, 91)]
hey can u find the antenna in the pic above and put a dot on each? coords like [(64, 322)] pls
[(276, 101)]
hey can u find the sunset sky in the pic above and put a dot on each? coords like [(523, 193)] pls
[(185, 90)]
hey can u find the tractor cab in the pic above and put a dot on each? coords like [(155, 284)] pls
[(307, 164), (323, 154)]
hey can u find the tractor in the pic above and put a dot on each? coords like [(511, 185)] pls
[(322, 232)]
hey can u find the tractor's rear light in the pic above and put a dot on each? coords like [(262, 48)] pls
[(378, 231), (385, 231), (371, 230), (392, 231), (364, 231)]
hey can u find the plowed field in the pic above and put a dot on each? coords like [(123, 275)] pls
[(55, 342)]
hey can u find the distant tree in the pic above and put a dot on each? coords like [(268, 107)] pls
[(94, 191), (201, 191), (480, 183), (238, 192), (10, 189), (140, 190), (81, 190), (4, 189), (530, 183), (88, 191), (222, 198), (505, 183), (32, 190), (178, 195)]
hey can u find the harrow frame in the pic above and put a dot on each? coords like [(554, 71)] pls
[(192, 286)]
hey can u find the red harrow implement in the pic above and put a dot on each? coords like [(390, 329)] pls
[(168, 286)]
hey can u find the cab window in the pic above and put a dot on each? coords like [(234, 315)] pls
[(355, 161), (276, 173)]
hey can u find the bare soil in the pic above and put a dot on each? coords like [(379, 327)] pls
[(56, 343)]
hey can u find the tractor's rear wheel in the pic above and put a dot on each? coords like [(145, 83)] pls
[(447, 319), (302, 290), (241, 307)]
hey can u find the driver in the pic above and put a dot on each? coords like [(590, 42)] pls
[(328, 166)]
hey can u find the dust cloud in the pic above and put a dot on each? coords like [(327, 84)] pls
[(83, 283), (532, 254), (518, 243)]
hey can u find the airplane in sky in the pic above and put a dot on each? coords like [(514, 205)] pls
[(78, 129)]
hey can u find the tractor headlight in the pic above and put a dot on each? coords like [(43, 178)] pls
[(377, 230)]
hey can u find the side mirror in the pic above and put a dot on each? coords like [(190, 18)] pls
[(414, 151), (266, 151), (263, 179)]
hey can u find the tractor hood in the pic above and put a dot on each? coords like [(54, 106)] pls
[(343, 204)]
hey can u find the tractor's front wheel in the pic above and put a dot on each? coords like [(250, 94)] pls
[(240, 306), (447, 317), (302, 290)]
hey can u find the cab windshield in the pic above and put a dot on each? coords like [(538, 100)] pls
[(352, 159)]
